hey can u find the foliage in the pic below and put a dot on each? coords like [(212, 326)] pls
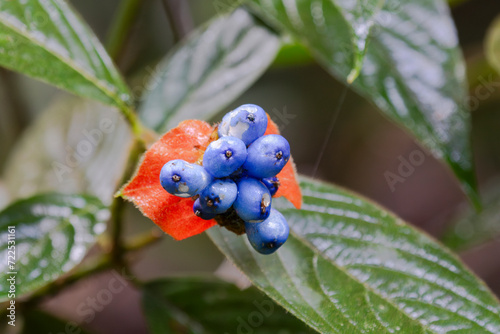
[(350, 266)]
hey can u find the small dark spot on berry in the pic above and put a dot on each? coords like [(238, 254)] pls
[(176, 178), (251, 117), (229, 154), (210, 203), (279, 155), (197, 213)]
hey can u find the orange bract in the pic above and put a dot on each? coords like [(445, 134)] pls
[(174, 215), (289, 187)]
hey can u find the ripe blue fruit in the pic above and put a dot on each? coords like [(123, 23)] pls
[(267, 156), (268, 236), (224, 156), (202, 213), (183, 179), (253, 202), (219, 196), (247, 122), (272, 183)]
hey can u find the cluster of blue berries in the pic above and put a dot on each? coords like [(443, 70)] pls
[(237, 180)]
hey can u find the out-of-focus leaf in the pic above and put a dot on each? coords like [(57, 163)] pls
[(52, 234), (201, 305), (35, 321), (473, 228), (76, 146), (213, 67), (492, 44), (46, 40), (413, 69), (352, 267)]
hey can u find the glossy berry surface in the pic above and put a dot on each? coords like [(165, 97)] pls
[(267, 156), (272, 183), (253, 203), (202, 213), (224, 156), (247, 122), (184, 179), (219, 196), (268, 236)]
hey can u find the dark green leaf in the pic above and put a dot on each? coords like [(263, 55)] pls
[(52, 234), (201, 305), (36, 321), (336, 31), (46, 40), (492, 45), (413, 69), (76, 146), (213, 67), (352, 267), (473, 228)]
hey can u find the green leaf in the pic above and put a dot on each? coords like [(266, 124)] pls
[(473, 228), (36, 321), (47, 40), (75, 146), (413, 69), (336, 31), (214, 66), (201, 305), (492, 44), (352, 267), (52, 234)]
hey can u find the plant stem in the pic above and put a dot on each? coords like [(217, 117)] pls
[(95, 265), (143, 240), (178, 17), (98, 264), (121, 26), (118, 205)]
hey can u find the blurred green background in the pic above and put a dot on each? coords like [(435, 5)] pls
[(364, 144)]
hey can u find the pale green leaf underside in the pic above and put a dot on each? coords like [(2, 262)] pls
[(413, 69), (351, 267), (473, 228), (52, 234), (207, 305), (492, 44), (213, 67), (46, 40), (75, 146)]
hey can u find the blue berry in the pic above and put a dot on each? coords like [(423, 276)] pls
[(253, 202), (272, 183), (183, 179), (267, 156), (219, 196), (247, 122), (202, 213), (268, 236), (224, 156)]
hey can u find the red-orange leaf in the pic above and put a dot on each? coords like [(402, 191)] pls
[(174, 215)]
